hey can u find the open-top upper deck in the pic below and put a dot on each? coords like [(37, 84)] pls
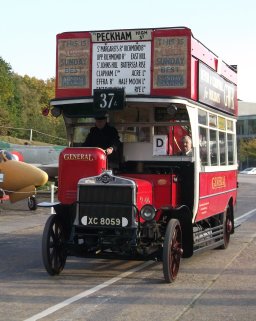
[(144, 62)]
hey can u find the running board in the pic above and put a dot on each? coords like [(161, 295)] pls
[(208, 247), (209, 238)]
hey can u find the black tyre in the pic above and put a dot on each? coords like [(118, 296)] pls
[(227, 227), (172, 250), (32, 204), (53, 245)]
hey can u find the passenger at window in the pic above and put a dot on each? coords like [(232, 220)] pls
[(186, 146)]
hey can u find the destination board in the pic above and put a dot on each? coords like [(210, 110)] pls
[(122, 65)]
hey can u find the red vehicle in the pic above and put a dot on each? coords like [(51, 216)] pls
[(156, 86)]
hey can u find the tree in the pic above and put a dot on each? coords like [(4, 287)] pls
[(247, 149), (22, 100), (6, 93), (6, 83)]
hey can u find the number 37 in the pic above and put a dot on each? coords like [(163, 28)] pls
[(107, 100)]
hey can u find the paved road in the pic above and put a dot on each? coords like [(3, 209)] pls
[(215, 285), (246, 194)]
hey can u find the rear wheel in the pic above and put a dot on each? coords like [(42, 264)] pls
[(172, 250), (227, 227), (53, 246)]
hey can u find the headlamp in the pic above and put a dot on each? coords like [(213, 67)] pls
[(56, 112), (148, 212)]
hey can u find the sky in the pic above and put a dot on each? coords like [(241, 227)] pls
[(28, 29)]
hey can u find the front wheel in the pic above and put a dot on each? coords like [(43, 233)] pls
[(32, 204), (53, 247), (172, 250)]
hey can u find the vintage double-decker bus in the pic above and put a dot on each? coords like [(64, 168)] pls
[(155, 86)]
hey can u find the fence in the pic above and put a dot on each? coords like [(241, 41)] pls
[(31, 133)]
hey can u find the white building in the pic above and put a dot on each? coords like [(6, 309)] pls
[(246, 124), (246, 127)]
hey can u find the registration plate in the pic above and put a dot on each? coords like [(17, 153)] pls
[(104, 221)]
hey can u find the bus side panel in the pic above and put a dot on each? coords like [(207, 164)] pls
[(166, 189), (194, 79), (215, 191)]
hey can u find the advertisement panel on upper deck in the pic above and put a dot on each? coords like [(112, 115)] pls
[(73, 63), (215, 90), (170, 62)]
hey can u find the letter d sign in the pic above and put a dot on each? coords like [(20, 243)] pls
[(159, 142), (160, 145)]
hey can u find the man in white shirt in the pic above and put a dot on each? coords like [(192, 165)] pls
[(186, 146)]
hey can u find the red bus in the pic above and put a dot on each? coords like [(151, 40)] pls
[(155, 86)]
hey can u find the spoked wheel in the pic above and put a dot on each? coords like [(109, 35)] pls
[(32, 204), (53, 247), (227, 227), (172, 250)]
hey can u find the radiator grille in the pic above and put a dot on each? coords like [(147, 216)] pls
[(105, 194), (114, 203)]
